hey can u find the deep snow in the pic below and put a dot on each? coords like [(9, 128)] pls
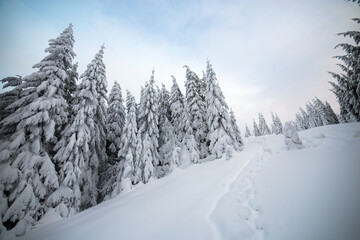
[(263, 192)]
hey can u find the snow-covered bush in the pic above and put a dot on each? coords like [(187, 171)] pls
[(291, 137)]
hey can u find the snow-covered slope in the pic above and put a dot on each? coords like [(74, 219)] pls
[(263, 192)]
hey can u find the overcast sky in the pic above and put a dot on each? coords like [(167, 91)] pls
[(268, 55)]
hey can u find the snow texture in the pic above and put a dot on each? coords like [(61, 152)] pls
[(263, 192)]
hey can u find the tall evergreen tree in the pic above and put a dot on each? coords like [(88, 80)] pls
[(237, 135), (196, 110), (189, 150), (220, 131), (115, 121), (39, 113), (149, 130), (347, 85), (177, 109), (305, 119), (95, 73), (263, 127), (331, 114), (321, 109), (99, 154), (128, 144), (276, 126), (247, 131), (299, 122), (166, 134), (115, 126), (279, 124), (256, 129), (74, 150), (314, 116)]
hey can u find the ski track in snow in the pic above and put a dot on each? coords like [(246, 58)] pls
[(254, 146), (235, 216)]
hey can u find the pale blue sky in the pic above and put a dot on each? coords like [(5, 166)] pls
[(268, 55)]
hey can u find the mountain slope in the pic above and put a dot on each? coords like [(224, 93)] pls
[(263, 192)]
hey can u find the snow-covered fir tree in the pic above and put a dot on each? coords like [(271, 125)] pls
[(299, 122), (99, 153), (166, 134), (6, 99), (127, 151), (149, 131), (196, 107), (115, 121), (138, 164), (236, 131), (189, 148), (247, 131), (74, 150), (305, 119), (331, 114), (217, 116), (314, 116), (276, 126), (347, 85), (41, 111), (95, 73), (321, 110), (256, 129), (177, 109), (263, 127), (115, 126)]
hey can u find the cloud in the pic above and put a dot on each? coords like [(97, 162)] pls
[(268, 56)]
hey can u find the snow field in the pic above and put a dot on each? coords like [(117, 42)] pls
[(263, 192), (311, 193)]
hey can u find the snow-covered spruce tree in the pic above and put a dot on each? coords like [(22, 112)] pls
[(347, 85), (140, 106), (276, 126), (137, 174), (217, 116), (256, 129), (125, 168), (99, 155), (115, 121), (6, 99), (305, 119), (166, 134), (39, 113), (273, 126), (279, 124), (149, 131), (196, 110), (291, 138), (202, 86), (237, 135), (314, 116), (247, 131), (263, 127), (189, 150), (321, 109), (95, 73), (177, 109), (299, 122), (74, 150), (331, 114)]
